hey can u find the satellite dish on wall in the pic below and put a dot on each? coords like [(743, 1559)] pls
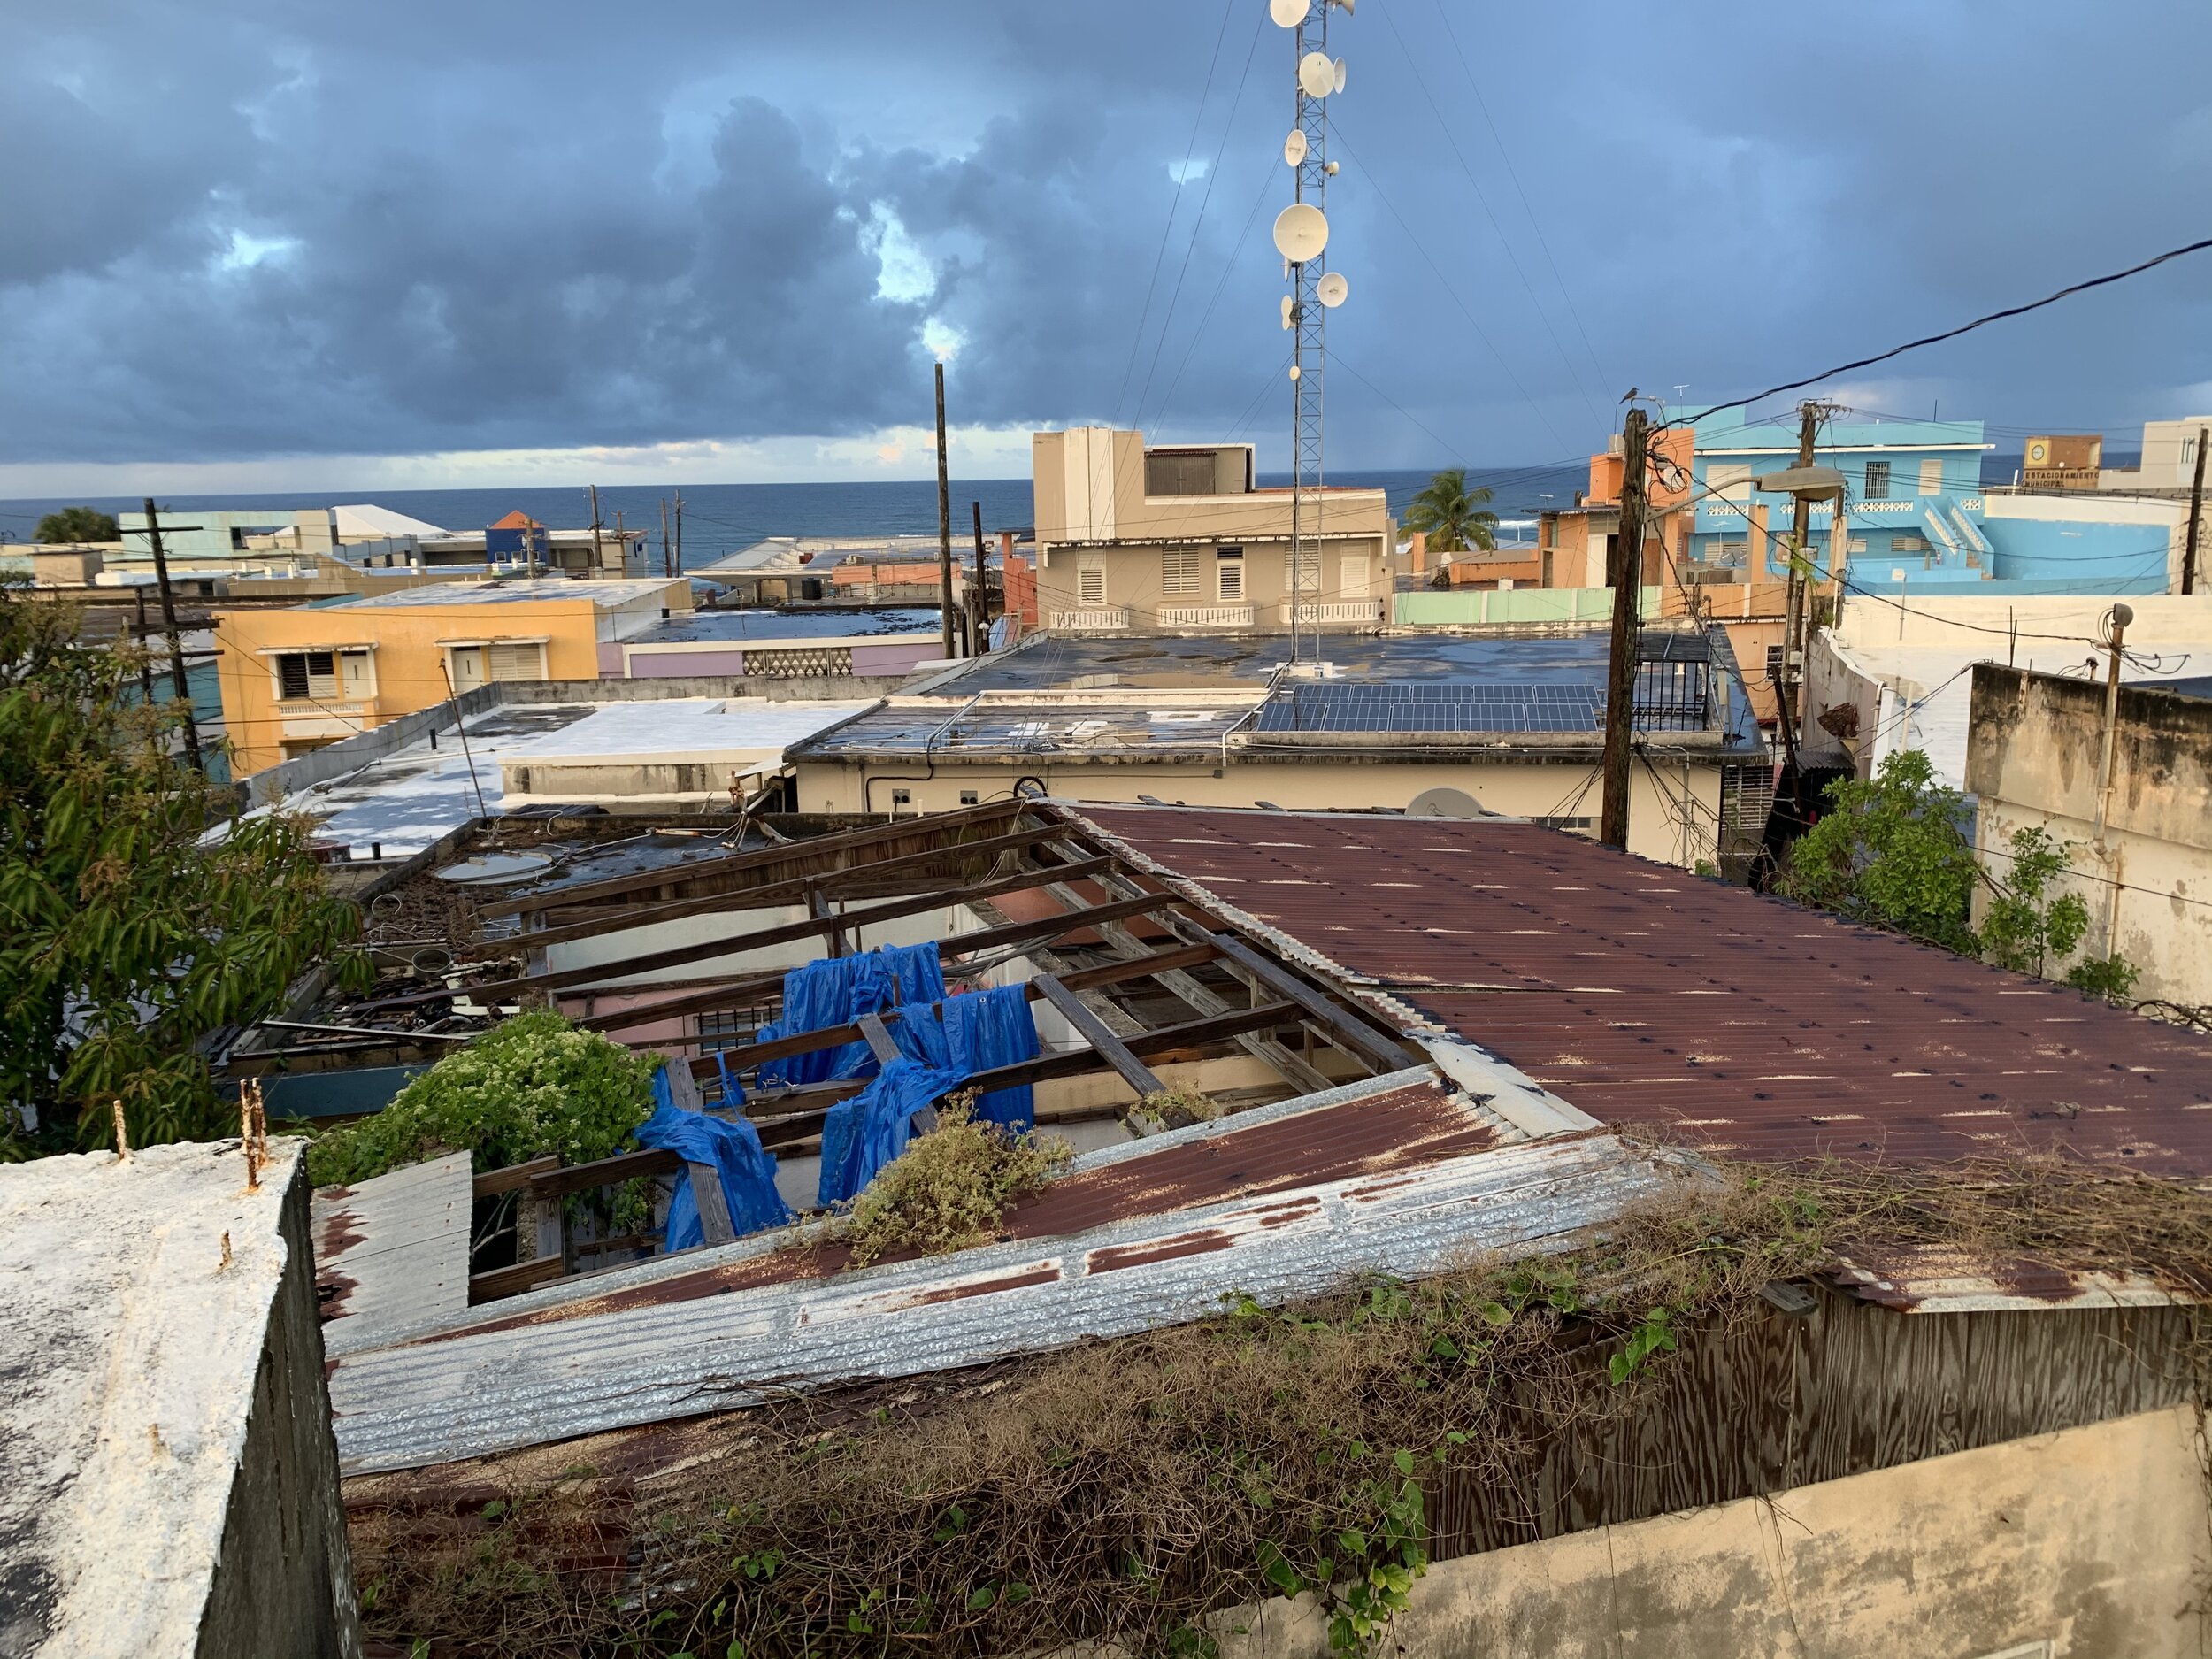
[(1340, 74), (1287, 308), (1445, 802), (1289, 13), (1316, 75), (1295, 147), (1332, 291), (1301, 231)]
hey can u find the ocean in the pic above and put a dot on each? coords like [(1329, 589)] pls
[(720, 519)]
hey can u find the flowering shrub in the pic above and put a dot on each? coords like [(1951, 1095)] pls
[(532, 1086)]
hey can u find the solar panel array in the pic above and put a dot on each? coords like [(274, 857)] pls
[(1398, 705)]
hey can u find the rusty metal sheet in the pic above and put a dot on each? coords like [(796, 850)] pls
[(485, 1391), (392, 1254), (1650, 998), (1934, 1280)]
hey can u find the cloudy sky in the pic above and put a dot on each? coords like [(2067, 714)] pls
[(286, 244)]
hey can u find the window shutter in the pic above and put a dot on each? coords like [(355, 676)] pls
[(1931, 477), (517, 662), (292, 678), (1229, 568), (1090, 582), (1178, 571), (1351, 575)]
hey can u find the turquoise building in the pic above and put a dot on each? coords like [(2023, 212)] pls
[(1918, 515)]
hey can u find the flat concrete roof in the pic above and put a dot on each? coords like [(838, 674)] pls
[(692, 729), (768, 626), (130, 1347), (605, 594)]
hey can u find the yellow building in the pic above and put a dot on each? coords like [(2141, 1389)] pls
[(1183, 540), (294, 679)]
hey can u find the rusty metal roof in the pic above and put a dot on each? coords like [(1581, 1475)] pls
[(393, 1253), (1651, 998)]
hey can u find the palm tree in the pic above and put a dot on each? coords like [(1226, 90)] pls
[(1453, 517)]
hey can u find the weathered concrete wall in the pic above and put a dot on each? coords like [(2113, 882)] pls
[(2097, 1540), (2034, 747), (168, 1480)]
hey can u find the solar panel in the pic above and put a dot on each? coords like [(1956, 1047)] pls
[(1411, 706)]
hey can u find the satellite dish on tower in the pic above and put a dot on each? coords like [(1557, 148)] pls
[(1316, 75), (1332, 291), (1445, 802), (1295, 147), (1289, 13), (1286, 310), (1340, 74), (1301, 231)]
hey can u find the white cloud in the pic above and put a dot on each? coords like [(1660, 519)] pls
[(247, 251), (904, 274), (1188, 171)]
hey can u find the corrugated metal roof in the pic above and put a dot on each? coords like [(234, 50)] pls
[(392, 1254), (1729, 1021), (486, 1391), (1928, 1279)]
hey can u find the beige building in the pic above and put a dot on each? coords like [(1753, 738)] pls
[(1172, 538), (2144, 861), (2168, 465)]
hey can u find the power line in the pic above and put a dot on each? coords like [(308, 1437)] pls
[(1213, 174), (1452, 140), (1167, 231), (1953, 334)]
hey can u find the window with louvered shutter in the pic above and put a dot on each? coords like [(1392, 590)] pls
[(517, 662), (1178, 571), (1229, 570), (1090, 580)]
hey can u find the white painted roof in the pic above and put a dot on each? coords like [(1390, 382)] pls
[(695, 729), (605, 594), (365, 518)]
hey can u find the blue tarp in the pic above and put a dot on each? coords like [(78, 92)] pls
[(748, 1171), (836, 991), (980, 1030)]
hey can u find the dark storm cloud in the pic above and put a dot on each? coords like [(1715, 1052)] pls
[(248, 229)]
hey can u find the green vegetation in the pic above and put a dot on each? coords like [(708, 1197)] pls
[(1892, 852), (1453, 517), (77, 524), (950, 1188), (530, 1087), (126, 943), (1177, 1108), (1129, 1494)]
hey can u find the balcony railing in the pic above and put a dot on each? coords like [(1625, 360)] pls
[(1229, 616), (1089, 619), (1320, 612)]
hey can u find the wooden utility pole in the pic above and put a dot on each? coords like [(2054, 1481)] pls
[(145, 663), (944, 518), (179, 685), (596, 557), (2196, 517), (680, 535), (2118, 617), (979, 601), (1623, 571), (668, 561), (1794, 604)]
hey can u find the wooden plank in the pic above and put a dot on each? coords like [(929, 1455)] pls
[(790, 892), (706, 949), (820, 907), (1387, 1055), (879, 1043), (736, 993), (513, 1178), (577, 1177), (715, 1226), (503, 1282), (837, 1036), (766, 857), (1093, 1031)]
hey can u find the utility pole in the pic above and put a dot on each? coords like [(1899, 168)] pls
[(622, 540), (680, 535), (979, 601), (1623, 569), (595, 553), (668, 560), (1794, 604), (944, 519), (145, 663), (2120, 617), (2196, 517), (179, 685)]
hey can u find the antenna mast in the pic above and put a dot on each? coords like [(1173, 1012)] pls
[(1302, 235)]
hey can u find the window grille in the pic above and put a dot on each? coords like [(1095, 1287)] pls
[(1877, 480)]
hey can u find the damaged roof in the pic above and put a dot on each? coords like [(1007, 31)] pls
[(1727, 1020)]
